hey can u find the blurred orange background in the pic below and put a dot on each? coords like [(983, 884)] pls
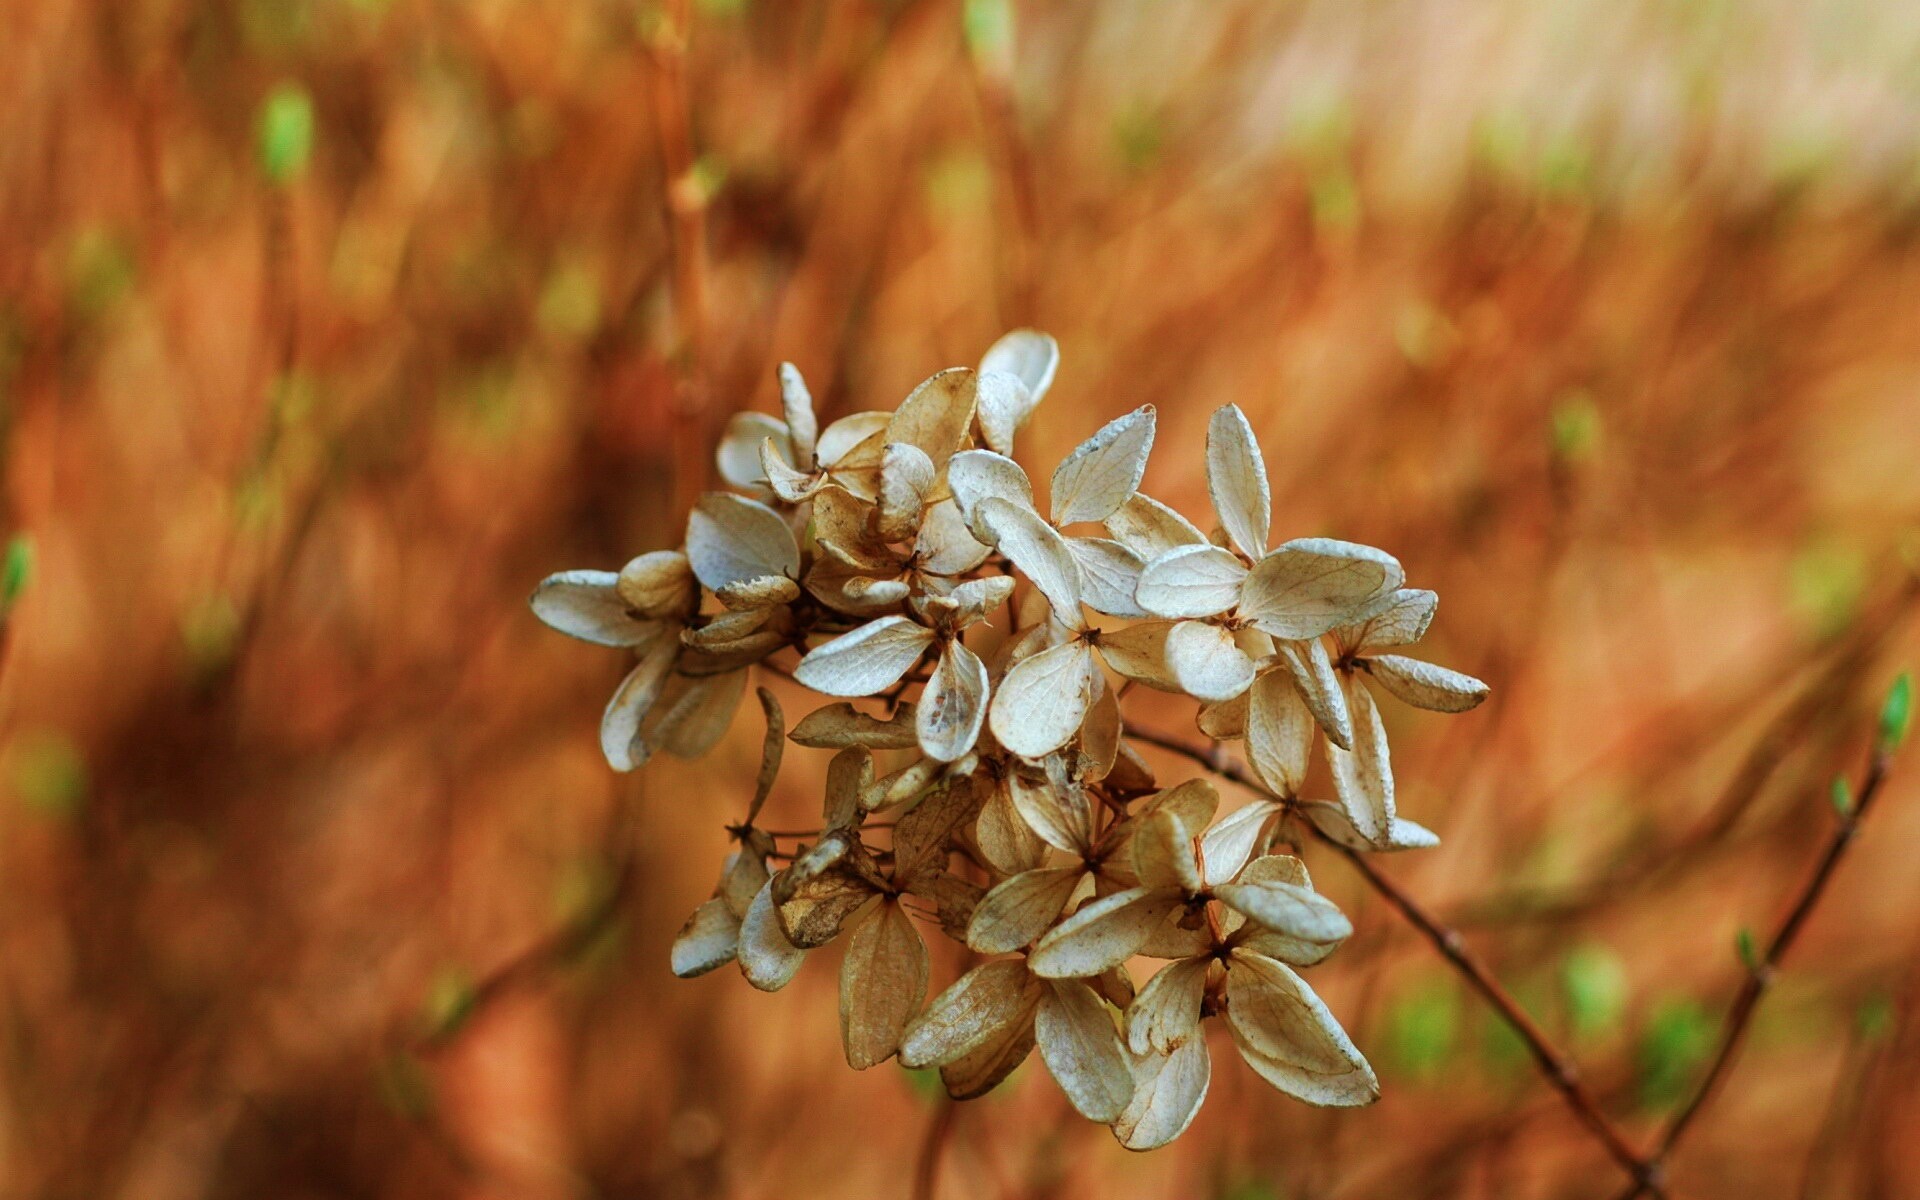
[(328, 327)]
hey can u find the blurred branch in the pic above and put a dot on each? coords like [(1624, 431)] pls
[(1558, 1069), (686, 206), (926, 1166), (1760, 974)]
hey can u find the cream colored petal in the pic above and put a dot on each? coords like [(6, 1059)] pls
[(838, 726), (767, 591), (856, 596), (587, 605), (937, 416), (1288, 1036), (1168, 1091), (855, 430), (693, 714), (1060, 815), (1332, 820), (1207, 662), (905, 784), (1151, 529), (706, 941), (730, 538), (975, 599), (849, 778), (1039, 552), (843, 527), (788, 484), (882, 984), (1363, 777), (1238, 836), (1191, 581), (906, 477), (631, 702), (738, 455), (1101, 935), (1083, 1051), (1182, 934), (870, 659), (1139, 652), (767, 958), (1003, 836), (954, 899), (802, 428), (1310, 585), (1257, 938), (1320, 687), (660, 585), (1092, 482), (1163, 853), (1001, 405), (744, 874), (1225, 720), (970, 1013), (1020, 909), (811, 908), (1167, 1010), (1237, 481), (1402, 621), (945, 546), (1425, 685), (953, 705), (1100, 733), (976, 475), (1040, 704), (1028, 355), (1109, 576), (1194, 802), (981, 1071), (1285, 908), (922, 839), (1279, 733)]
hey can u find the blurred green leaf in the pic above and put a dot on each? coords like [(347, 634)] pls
[(1874, 1017), (1826, 580), (210, 630), (989, 28), (1423, 1026), (1842, 795), (450, 1000), (1335, 198), (16, 572), (569, 303), (49, 774), (1575, 426), (1745, 950), (1674, 1045), (100, 270), (404, 1085), (1138, 135), (285, 133), (926, 1084), (1896, 715), (959, 183), (1594, 981)]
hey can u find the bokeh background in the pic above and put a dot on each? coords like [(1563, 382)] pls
[(328, 327)]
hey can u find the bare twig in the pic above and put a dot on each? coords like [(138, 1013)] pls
[(1554, 1064), (1760, 976)]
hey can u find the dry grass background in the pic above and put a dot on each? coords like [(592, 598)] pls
[(1604, 316)]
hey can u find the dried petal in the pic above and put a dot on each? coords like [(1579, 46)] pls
[(1424, 685), (1258, 938), (587, 605), (1363, 777), (1332, 820), (1100, 475), (1139, 652), (953, 705), (851, 432), (1286, 1034), (1320, 687), (1109, 576), (1060, 815), (738, 455), (1020, 909), (882, 983), (796, 403), (972, 1012), (975, 475), (1040, 553), (980, 1072), (1310, 585), (906, 477), (1401, 622), (1279, 733), (1207, 662), (706, 941), (1297, 912), (659, 584), (1163, 853), (937, 415), (1151, 529), (632, 701), (870, 659), (1043, 699), (1001, 404), (1167, 1010), (767, 958), (693, 714), (1168, 1091), (838, 726), (731, 538), (1191, 581), (1237, 481), (1083, 1051), (945, 546), (1103, 934), (1028, 355), (1225, 848), (767, 591), (1005, 840)]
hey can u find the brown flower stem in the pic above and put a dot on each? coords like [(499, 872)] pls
[(1760, 976), (1554, 1064), (926, 1166), (686, 205)]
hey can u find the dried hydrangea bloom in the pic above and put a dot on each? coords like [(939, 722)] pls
[(973, 646)]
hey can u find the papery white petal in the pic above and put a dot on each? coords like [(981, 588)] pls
[(1424, 685), (1191, 581), (730, 538), (1207, 661), (1308, 586), (1082, 1050), (1102, 472), (953, 705), (587, 605), (803, 428), (1040, 553), (1237, 481), (1041, 702), (867, 660), (1168, 1091)]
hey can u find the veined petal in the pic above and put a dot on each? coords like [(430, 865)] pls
[(1028, 355), (706, 941), (1279, 733), (850, 432), (1083, 1051), (1006, 842), (974, 1008), (1332, 820), (1101, 473), (1168, 1090), (1109, 576), (1363, 777), (1424, 685), (1298, 912), (731, 538), (1043, 699), (981, 1071), (937, 415), (1225, 848), (1191, 581), (803, 428), (738, 455), (631, 702), (1286, 1033), (767, 958), (1021, 908), (1207, 661), (1310, 585), (1402, 621), (1151, 529), (1320, 688), (588, 606), (906, 477), (1167, 1010), (659, 584), (1237, 481), (1102, 934), (1039, 551), (693, 713), (945, 546), (1060, 815), (1163, 853), (1002, 404), (953, 705), (1260, 939), (1139, 652), (838, 726), (975, 475), (870, 659), (882, 984)]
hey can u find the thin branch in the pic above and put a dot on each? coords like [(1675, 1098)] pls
[(1554, 1064), (926, 1166), (1760, 976)]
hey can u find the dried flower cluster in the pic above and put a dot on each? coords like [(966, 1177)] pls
[(889, 550)]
